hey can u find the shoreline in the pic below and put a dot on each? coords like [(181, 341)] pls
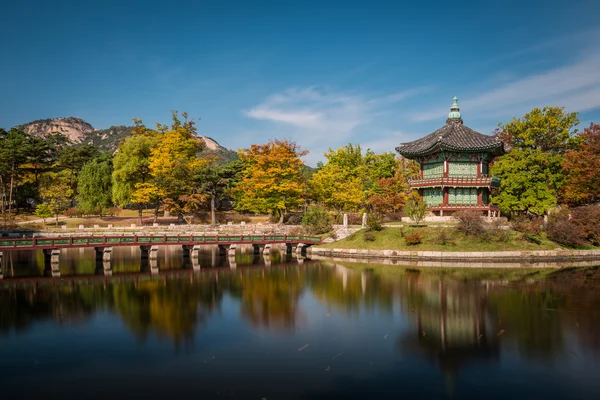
[(521, 257)]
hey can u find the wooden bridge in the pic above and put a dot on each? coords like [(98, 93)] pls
[(149, 245)]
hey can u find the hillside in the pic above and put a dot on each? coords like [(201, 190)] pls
[(79, 131)]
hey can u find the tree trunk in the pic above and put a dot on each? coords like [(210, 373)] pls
[(213, 214), (156, 213), (281, 215), (12, 180), (140, 215)]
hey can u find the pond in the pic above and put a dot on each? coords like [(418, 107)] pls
[(291, 329)]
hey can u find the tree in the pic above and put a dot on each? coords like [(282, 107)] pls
[(173, 159), (272, 178), (56, 191), (43, 211), (531, 173), (131, 166), (95, 184), (215, 180), (13, 154), (72, 159), (416, 209), (582, 168)]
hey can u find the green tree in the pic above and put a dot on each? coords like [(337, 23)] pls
[(95, 184), (43, 211), (416, 209), (72, 159), (13, 154), (531, 173), (131, 166)]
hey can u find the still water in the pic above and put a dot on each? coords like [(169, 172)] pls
[(290, 329)]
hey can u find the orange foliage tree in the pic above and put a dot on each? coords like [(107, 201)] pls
[(582, 168)]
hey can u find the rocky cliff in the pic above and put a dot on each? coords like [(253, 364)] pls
[(78, 131)]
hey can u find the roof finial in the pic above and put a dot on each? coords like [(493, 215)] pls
[(454, 115)]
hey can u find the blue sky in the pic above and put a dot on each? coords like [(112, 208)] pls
[(318, 72)]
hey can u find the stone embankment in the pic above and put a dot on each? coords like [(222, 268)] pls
[(448, 256)]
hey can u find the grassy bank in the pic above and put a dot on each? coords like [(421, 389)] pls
[(442, 239)]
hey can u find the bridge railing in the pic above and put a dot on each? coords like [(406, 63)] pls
[(99, 241)]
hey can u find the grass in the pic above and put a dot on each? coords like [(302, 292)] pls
[(433, 240)]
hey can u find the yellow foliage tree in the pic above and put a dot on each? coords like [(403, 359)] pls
[(272, 178)]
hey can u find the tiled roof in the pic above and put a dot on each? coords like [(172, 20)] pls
[(452, 136)]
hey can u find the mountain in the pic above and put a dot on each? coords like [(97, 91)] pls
[(78, 131)]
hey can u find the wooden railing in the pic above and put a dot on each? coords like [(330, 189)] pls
[(109, 241), (484, 180)]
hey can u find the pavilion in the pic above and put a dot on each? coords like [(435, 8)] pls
[(455, 162)]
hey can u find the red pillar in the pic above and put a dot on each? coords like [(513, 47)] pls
[(480, 196), (479, 170), (445, 201)]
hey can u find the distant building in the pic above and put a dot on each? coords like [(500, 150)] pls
[(455, 167)]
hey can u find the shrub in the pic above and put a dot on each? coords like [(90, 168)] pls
[(393, 217), (527, 224), (588, 219), (470, 222), (293, 219), (369, 236), (316, 220), (73, 212), (444, 238), (374, 222), (565, 232), (495, 233), (415, 210), (413, 238), (113, 211)]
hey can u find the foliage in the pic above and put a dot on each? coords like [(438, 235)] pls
[(316, 220), (587, 218), (415, 209), (531, 173), (94, 183), (470, 222), (529, 181), (350, 180), (527, 224), (563, 231), (13, 154), (413, 238), (56, 190), (581, 166), (294, 219), (445, 237), (374, 221), (72, 159), (549, 130), (73, 212), (272, 178), (43, 211)]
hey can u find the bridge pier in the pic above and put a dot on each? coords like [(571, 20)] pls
[(301, 249), (255, 249), (231, 251), (222, 250), (106, 268), (51, 262), (267, 258), (103, 253), (231, 260), (149, 252), (153, 266), (195, 264), (267, 249), (1, 266)]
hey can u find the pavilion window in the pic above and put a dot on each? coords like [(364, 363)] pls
[(462, 170), (433, 196), (435, 170), (462, 195), (484, 197)]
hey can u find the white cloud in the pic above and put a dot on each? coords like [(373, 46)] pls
[(320, 118), (572, 85)]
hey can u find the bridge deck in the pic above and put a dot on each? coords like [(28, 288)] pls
[(39, 243)]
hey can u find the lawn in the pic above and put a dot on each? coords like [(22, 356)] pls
[(442, 239)]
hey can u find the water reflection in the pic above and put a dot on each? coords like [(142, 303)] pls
[(450, 324)]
